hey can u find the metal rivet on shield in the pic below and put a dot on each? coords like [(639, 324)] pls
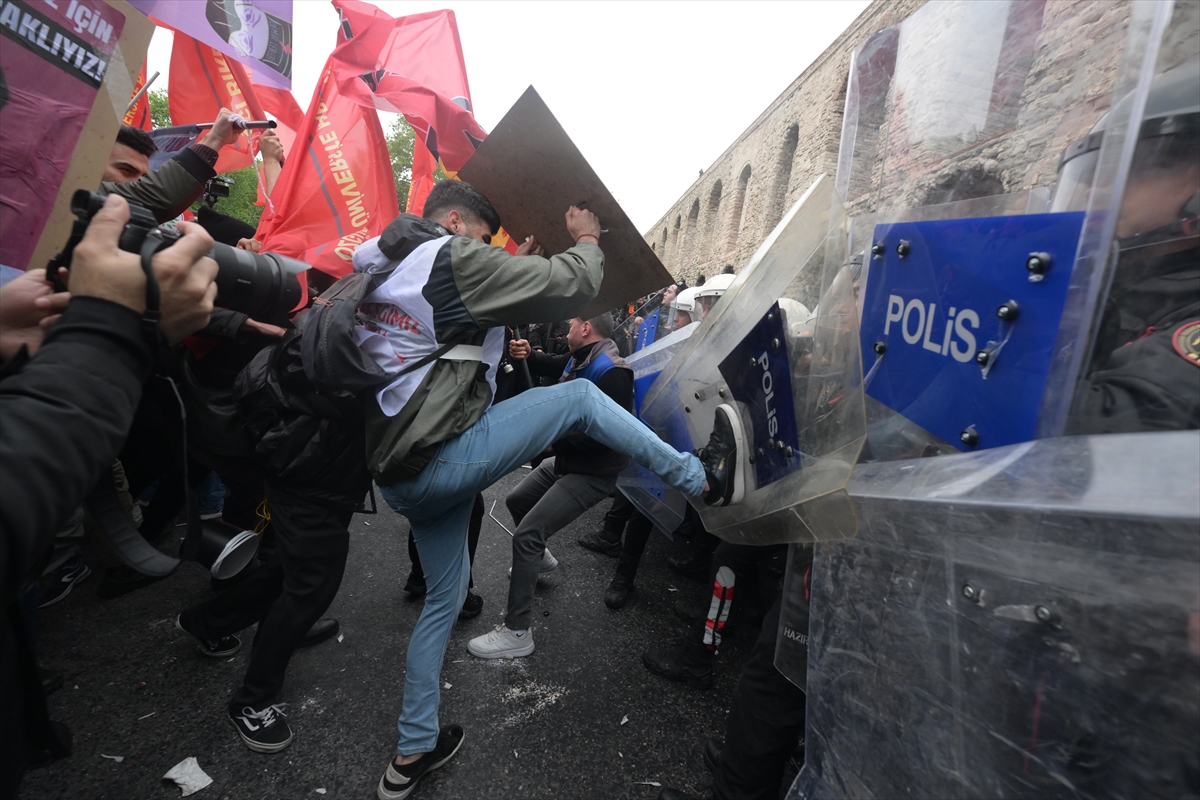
[(878, 249), (970, 592), (720, 392), (697, 395), (759, 452), (1008, 311), (687, 410), (770, 317), (983, 357), (1044, 614), (774, 344), (788, 451), (969, 437), (1037, 263), (753, 361), (903, 248), (880, 348)]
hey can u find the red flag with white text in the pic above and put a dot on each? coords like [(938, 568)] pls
[(204, 80), (337, 189), (412, 66)]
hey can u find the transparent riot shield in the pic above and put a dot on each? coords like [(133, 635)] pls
[(793, 376), (649, 495), (1018, 622), (1021, 621)]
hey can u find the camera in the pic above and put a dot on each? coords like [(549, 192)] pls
[(260, 285)]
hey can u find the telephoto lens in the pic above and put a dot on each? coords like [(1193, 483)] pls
[(260, 285)]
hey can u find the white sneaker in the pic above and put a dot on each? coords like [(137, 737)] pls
[(502, 643), (548, 564)]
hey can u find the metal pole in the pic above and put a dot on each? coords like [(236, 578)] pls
[(141, 92)]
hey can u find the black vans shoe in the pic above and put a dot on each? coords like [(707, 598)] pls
[(399, 782), (726, 483), (263, 730), (225, 646)]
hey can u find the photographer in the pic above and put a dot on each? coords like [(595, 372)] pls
[(68, 395)]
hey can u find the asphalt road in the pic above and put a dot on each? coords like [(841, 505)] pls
[(552, 725)]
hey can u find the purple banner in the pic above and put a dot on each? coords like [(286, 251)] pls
[(258, 33), (53, 56)]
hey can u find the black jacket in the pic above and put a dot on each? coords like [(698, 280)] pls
[(63, 416), (309, 441), (577, 453)]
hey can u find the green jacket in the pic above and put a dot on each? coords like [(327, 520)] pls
[(456, 290), (168, 190)]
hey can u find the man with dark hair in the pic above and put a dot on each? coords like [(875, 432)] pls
[(468, 201), (581, 474), (434, 440), (130, 156)]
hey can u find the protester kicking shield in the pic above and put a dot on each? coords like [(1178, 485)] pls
[(436, 325)]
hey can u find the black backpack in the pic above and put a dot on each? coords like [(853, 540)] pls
[(329, 352), (331, 356)]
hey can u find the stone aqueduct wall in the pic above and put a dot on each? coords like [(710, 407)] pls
[(724, 216)]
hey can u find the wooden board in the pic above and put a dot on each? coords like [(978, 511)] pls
[(532, 172), (95, 143)]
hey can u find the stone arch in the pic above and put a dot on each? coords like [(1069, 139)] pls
[(688, 250), (783, 176), (738, 205), (673, 244), (712, 216)]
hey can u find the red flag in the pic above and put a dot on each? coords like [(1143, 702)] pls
[(423, 166), (204, 80), (139, 115), (412, 66), (337, 189)]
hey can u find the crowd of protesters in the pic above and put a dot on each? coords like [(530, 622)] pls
[(105, 363)]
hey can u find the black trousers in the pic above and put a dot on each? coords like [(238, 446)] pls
[(618, 514), (473, 529), (766, 721), (284, 596)]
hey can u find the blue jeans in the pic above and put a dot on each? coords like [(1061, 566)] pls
[(438, 504)]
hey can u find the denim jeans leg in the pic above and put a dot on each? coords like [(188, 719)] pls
[(512, 432), (442, 543)]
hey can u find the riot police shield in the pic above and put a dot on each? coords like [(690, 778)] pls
[(1015, 617), (794, 378), (653, 498)]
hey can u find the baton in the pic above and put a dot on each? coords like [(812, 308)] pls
[(243, 125)]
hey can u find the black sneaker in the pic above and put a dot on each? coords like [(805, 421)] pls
[(415, 587), (225, 646), (601, 541), (726, 483), (472, 606), (398, 782), (690, 663), (263, 731), (72, 571)]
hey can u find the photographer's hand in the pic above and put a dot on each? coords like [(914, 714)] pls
[(28, 306), (185, 277)]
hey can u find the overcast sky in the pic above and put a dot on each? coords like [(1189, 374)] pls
[(650, 92)]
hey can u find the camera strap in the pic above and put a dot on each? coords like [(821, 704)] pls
[(153, 313)]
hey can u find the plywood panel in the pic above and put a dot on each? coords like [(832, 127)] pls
[(532, 172)]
